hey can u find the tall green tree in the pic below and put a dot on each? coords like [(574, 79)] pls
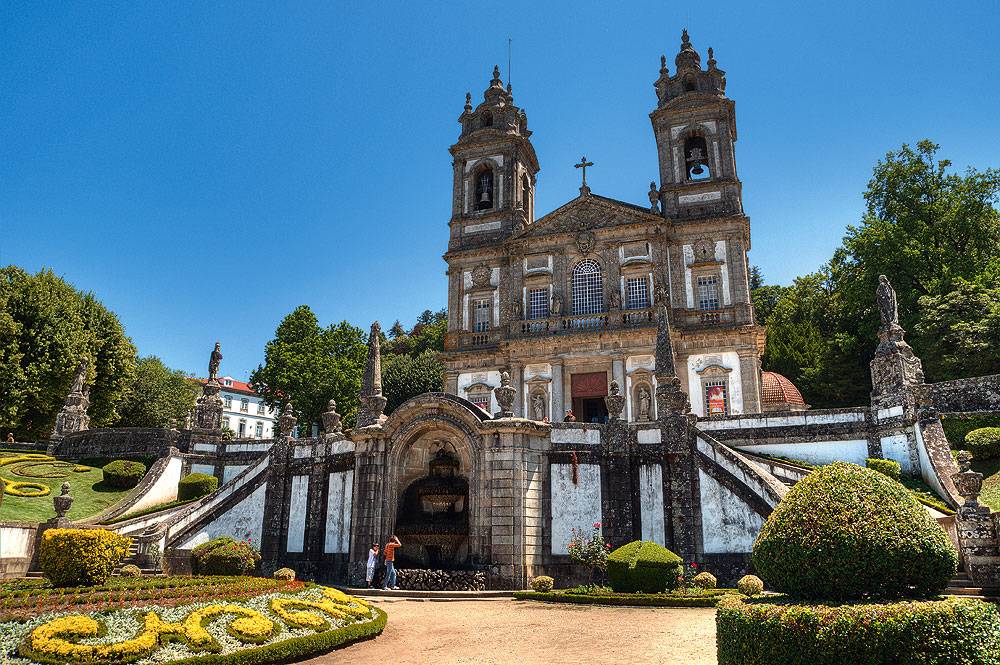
[(157, 396), (405, 376), (46, 328), (309, 365), (965, 326), (763, 296)]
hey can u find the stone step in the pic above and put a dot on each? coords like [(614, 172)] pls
[(424, 595)]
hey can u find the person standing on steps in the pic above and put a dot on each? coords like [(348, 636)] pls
[(390, 563), (372, 563)]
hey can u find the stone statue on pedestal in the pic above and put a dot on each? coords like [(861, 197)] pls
[(214, 361), (73, 415)]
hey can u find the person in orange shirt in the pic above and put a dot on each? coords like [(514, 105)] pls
[(390, 562)]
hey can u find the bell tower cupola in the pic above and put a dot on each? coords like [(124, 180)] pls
[(495, 168), (695, 127)]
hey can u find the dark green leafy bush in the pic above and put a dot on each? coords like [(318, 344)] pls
[(957, 427), (123, 474), (845, 532), (984, 443), (224, 556), (941, 632), (886, 467), (643, 566), (196, 485)]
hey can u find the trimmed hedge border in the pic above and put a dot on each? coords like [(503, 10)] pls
[(952, 631), (633, 600), (297, 647)]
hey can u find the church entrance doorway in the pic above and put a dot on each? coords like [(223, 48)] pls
[(589, 390)]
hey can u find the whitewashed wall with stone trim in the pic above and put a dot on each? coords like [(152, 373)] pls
[(534, 520), (651, 503), (574, 506), (207, 469), (634, 364), (163, 489), (298, 507), (815, 452), (580, 435), (534, 377), (242, 521), (926, 468), (729, 360), (728, 524), (16, 541), (339, 501), (231, 471), (897, 448)]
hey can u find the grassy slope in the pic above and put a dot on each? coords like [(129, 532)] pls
[(90, 496), (991, 484)]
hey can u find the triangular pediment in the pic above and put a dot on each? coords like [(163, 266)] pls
[(588, 213)]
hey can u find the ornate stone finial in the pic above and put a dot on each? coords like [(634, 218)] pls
[(510, 89), (496, 82), (468, 102), (670, 399), (711, 59), (662, 84), (62, 502), (331, 419), (584, 189), (687, 58), (685, 39), (287, 421), (615, 402), (654, 198), (214, 361), (968, 482), (663, 65), (372, 401), (505, 395), (664, 346)]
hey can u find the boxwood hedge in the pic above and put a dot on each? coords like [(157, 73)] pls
[(765, 631), (984, 443), (845, 532), (123, 474), (632, 599), (196, 485), (80, 557), (643, 566)]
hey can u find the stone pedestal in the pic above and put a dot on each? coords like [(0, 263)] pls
[(208, 408)]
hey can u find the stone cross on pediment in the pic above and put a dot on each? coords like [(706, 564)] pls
[(583, 165)]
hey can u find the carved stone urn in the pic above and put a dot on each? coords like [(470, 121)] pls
[(505, 396), (63, 502), (615, 402), (968, 482)]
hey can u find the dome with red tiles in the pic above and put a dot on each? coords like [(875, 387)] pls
[(780, 394)]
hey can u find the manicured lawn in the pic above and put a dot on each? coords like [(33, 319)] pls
[(90, 494), (991, 483)]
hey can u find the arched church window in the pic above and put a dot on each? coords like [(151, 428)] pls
[(484, 189), (696, 158), (588, 290), (486, 119)]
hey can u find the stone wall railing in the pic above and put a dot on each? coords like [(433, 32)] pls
[(978, 394), (117, 442)]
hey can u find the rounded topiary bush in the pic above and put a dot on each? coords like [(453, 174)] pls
[(130, 570), (543, 583), (886, 467), (123, 474), (285, 574), (643, 566), (80, 557), (224, 556), (952, 631), (196, 485), (705, 580), (750, 585), (984, 443), (845, 532)]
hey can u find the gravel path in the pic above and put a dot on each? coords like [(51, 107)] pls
[(488, 632)]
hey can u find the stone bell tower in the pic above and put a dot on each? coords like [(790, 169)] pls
[(718, 345), (494, 170)]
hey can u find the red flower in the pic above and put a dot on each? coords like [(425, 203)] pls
[(597, 525), (694, 565)]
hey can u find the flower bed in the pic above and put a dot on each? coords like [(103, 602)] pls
[(684, 598), (278, 621)]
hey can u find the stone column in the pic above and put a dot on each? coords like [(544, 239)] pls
[(750, 376), (517, 380), (368, 503), (558, 409), (451, 382)]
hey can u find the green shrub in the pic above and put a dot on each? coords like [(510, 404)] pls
[(123, 474), (941, 632), (286, 574), (886, 467), (957, 427), (80, 557), (750, 585), (984, 443), (543, 583), (196, 485), (131, 570), (705, 580), (643, 566), (224, 556), (623, 600), (844, 532)]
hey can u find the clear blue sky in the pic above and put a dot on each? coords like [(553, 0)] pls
[(205, 167)]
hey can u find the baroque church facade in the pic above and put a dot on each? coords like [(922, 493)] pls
[(566, 302)]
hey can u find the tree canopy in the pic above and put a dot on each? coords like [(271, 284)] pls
[(411, 364), (46, 328), (157, 396), (309, 365)]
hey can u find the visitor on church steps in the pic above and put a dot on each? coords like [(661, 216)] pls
[(570, 418), (390, 558), (372, 562)]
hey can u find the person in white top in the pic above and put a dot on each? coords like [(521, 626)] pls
[(372, 562)]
